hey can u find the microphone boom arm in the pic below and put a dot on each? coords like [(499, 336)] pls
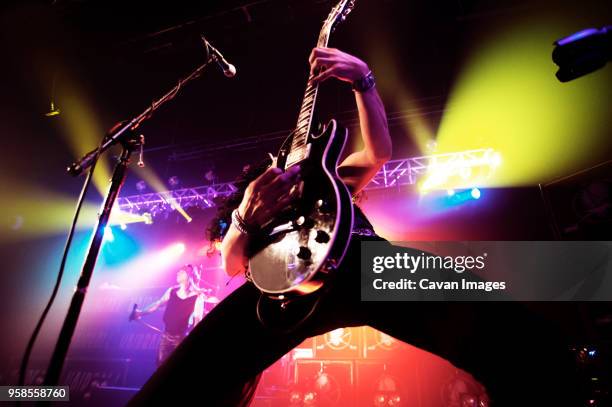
[(123, 133), (118, 133)]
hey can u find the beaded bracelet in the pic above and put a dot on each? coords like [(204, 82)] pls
[(241, 225)]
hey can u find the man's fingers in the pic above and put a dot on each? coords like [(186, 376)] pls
[(321, 63), (320, 52), (281, 205), (326, 74), (268, 175), (284, 181)]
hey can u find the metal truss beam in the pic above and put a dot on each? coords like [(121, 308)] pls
[(394, 174)]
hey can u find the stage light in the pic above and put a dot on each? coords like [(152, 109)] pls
[(310, 398), (431, 146), (123, 218), (218, 245), (459, 170), (33, 212), (439, 201), (154, 262), (465, 173), (337, 337), (54, 111), (582, 53), (380, 400), (157, 185), (174, 182), (387, 392), (176, 249), (295, 398), (108, 234), (508, 99), (494, 158), (210, 176)]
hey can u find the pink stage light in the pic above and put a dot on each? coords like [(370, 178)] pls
[(176, 249)]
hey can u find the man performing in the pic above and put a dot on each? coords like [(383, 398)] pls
[(498, 343), (516, 355), (184, 305)]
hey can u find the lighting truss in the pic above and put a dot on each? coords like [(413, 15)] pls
[(394, 174), (202, 197), (398, 173)]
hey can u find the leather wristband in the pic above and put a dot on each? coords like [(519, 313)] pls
[(365, 83)]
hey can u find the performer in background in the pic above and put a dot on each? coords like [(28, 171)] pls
[(518, 356), (184, 310)]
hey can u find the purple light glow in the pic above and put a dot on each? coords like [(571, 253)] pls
[(146, 269), (577, 36)]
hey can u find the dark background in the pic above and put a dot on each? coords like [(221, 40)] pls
[(124, 54)]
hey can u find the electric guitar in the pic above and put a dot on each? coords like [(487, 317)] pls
[(300, 250)]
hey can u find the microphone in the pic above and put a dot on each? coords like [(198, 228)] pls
[(228, 69), (132, 316)]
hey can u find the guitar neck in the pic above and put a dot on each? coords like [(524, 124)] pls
[(304, 123), (300, 150)]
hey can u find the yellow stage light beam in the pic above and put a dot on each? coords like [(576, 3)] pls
[(83, 131), (32, 212), (151, 178), (395, 88), (508, 99), (119, 217)]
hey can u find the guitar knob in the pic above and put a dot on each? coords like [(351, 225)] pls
[(304, 253), (306, 223), (322, 237), (323, 206)]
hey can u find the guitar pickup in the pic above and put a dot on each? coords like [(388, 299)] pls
[(298, 154)]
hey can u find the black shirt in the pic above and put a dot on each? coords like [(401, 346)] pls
[(178, 311)]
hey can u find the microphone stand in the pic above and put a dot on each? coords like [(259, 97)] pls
[(124, 134)]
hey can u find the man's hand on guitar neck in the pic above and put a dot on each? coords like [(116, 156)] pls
[(328, 63), (359, 167)]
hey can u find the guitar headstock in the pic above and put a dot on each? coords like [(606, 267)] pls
[(338, 15)]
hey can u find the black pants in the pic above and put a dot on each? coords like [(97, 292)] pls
[(520, 357), (167, 344)]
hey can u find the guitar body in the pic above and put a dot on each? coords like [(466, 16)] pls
[(301, 249)]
